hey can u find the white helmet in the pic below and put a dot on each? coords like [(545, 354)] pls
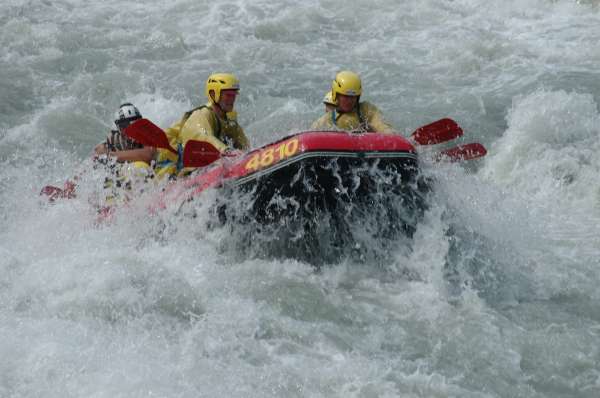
[(126, 114)]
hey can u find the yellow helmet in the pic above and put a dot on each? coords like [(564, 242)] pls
[(220, 81), (346, 83), (327, 100)]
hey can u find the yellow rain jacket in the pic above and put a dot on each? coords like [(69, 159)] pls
[(367, 117), (201, 124)]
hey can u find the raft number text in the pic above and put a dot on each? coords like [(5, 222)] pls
[(274, 154)]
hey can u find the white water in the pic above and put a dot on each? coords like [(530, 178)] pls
[(121, 310)]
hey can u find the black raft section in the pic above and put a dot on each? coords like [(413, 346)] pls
[(324, 207)]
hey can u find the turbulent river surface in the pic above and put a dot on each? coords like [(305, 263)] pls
[(495, 295)]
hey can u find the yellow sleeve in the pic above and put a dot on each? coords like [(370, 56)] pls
[(239, 138), (163, 155), (172, 133), (375, 119), (322, 123), (231, 130), (201, 126)]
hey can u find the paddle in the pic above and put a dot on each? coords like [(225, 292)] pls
[(195, 154), (445, 130), (149, 134), (53, 193), (199, 154), (463, 152), (437, 132)]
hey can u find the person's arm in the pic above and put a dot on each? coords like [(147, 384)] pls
[(322, 123), (376, 121), (173, 132), (201, 126), (379, 124), (101, 149), (240, 141), (145, 154)]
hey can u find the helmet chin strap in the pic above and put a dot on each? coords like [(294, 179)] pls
[(216, 105), (219, 109)]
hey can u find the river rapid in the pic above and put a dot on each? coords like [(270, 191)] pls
[(496, 294)]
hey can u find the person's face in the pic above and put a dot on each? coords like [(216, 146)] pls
[(122, 124), (227, 100), (346, 103)]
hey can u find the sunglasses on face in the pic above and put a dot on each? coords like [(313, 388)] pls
[(121, 124)]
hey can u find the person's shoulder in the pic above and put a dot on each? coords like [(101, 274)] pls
[(325, 116), (205, 109), (366, 106), (203, 112), (322, 122)]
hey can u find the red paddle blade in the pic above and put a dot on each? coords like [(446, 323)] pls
[(51, 192), (437, 132), (199, 154), (463, 152), (148, 134)]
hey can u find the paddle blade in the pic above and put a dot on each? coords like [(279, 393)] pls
[(463, 152), (199, 154), (437, 132), (148, 134), (53, 193)]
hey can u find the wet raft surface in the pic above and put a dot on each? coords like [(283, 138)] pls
[(322, 209)]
